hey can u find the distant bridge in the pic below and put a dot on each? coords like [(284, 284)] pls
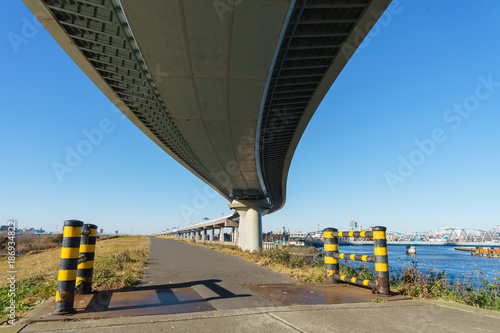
[(445, 236)]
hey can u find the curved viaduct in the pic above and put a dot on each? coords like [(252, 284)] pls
[(225, 87)]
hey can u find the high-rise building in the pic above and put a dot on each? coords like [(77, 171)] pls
[(353, 225)]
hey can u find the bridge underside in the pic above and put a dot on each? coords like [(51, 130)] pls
[(226, 90)]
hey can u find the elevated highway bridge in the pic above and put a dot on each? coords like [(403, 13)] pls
[(226, 88)]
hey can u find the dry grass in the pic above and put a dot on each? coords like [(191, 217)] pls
[(118, 264), (27, 242), (44, 263)]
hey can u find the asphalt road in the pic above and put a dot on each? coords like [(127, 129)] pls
[(215, 276)]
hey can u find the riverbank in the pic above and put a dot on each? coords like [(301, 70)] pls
[(119, 263), (409, 278)]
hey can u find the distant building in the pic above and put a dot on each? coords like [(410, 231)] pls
[(101, 231), (30, 230), (299, 234), (353, 225), (4, 228)]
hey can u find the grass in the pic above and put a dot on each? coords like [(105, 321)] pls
[(472, 289), (118, 264)]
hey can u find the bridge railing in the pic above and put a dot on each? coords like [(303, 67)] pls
[(332, 256), (77, 264)]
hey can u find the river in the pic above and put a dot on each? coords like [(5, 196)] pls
[(456, 264)]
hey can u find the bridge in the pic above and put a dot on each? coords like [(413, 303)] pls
[(443, 236), (447, 236), (226, 88)]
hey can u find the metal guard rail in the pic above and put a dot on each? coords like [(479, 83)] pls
[(332, 256)]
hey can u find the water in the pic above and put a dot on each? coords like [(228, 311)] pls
[(454, 263)]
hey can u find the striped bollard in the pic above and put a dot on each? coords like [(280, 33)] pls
[(66, 279), (86, 259), (331, 245), (381, 262)]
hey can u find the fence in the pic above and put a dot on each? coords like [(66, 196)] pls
[(332, 256), (76, 265), (269, 246)]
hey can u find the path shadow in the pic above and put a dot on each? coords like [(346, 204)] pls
[(174, 298)]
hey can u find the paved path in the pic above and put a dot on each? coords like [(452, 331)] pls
[(172, 261), (401, 316)]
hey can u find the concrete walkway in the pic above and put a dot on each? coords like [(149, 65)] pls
[(174, 262), (400, 316)]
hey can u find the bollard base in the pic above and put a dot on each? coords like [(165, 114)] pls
[(63, 311)]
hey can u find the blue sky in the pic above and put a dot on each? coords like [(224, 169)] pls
[(407, 136)]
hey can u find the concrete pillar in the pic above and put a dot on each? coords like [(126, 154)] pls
[(211, 234), (233, 234), (250, 226), (197, 233), (203, 235), (221, 235)]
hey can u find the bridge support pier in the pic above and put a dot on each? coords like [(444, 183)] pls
[(203, 235), (211, 234), (221, 235), (250, 226)]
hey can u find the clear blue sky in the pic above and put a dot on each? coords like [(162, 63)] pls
[(406, 84)]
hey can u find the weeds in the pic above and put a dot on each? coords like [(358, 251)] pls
[(472, 289), (379, 300)]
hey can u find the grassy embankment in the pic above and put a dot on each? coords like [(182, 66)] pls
[(475, 290), (118, 264)]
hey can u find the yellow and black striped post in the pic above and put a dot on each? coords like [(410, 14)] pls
[(381, 262), (66, 279), (331, 246), (86, 259)]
